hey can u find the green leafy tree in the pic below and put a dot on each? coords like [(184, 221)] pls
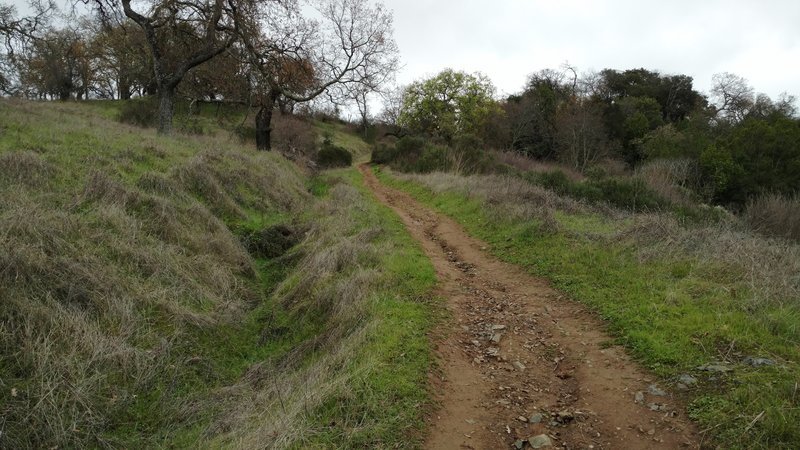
[(448, 105), (532, 116)]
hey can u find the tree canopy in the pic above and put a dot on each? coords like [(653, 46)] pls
[(449, 104)]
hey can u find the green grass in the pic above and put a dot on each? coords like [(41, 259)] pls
[(385, 402), (673, 315), (342, 137)]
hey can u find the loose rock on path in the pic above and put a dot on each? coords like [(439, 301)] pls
[(521, 364)]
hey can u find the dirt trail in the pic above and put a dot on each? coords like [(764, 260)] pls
[(517, 349)]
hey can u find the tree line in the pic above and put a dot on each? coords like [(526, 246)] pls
[(740, 144), (261, 54)]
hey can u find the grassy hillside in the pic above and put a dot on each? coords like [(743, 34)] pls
[(680, 297), (192, 292)]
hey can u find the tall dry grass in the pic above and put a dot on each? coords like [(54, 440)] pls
[(672, 179), (775, 215), (114, 248), (525, 164)]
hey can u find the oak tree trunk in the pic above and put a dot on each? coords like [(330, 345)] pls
[(264, 122), (264, 128), (166, 108)]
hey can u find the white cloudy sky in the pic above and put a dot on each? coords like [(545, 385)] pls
[(509, 39)]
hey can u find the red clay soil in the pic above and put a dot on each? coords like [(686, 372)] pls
[(520, 360)]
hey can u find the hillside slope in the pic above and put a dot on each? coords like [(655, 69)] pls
[(191, 292)]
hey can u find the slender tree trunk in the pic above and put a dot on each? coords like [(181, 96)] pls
[(264, 128), (124, 87), (166, 108), (264, 123)]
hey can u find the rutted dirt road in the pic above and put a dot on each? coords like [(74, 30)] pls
[(523, 362)]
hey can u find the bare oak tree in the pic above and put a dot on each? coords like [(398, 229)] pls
[(344, 44), (16, 34), (181, 35), (733, 97)]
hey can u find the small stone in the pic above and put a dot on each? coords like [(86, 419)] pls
[(654, 407), (498, 327), (655, 390), (536, 418), (682, 387), (688, 380), (519, 444), (496, 338), (639, 397), (476, 343), (518, 365), (492, 351), (758, 362), (522, 419), (540, 441), (716, 368)]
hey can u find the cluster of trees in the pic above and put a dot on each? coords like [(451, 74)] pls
[(260, 53), (742, 144)]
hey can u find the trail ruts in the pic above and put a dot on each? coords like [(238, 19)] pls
[(516, 348)]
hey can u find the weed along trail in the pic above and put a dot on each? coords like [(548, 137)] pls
[(523, 367)]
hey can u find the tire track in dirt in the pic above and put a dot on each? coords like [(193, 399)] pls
[(517, 351)]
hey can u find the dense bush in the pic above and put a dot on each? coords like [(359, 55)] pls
[(758, 156), (270, 242), (631, 194), (331, 155), (412, 154)]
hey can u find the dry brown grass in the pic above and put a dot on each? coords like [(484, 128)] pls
[(511, 197), (670, 178), (25, 167), (770, 268), (775, 215), (525, 164), (294, 135)]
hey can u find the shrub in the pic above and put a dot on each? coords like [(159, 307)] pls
[(403, 156), (331, 155), (774, 215), (414, 154), (467, 155), (383, 154), (631, 194), (270, 242)]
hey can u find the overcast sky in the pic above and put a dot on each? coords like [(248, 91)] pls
[(509, 39)]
